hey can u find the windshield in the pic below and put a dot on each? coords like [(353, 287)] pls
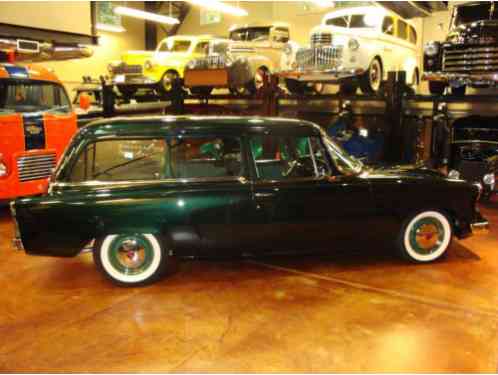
[(356, 21), (32, 96), (251, 34), (171, 45), (345, 163), (475, 12)]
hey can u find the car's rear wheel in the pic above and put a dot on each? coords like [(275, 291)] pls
[(168, 81), (425, 236), (131, 260)]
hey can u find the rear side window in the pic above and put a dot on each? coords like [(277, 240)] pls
[(402, 30), (412, 35), (388, 25), (158, 158), (338, 21), (288, 157)]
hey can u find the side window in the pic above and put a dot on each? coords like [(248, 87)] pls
[(121, 160), (155, 159), (388, 25), (202, 48), (402, 30), (412, 35), (286, 157), (281, 35)]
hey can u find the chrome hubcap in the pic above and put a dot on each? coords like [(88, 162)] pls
[(375, 75), (131, 255), (427, 236)]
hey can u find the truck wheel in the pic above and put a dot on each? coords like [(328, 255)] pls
[(458, 91), (436, 87), (167, 83), (131, 260), (202, 91), (425, 237), (371, 80), (295, 87)]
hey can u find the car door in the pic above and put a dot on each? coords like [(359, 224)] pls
[(306, 206)]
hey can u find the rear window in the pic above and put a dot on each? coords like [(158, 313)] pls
[(158, 159), (388, 25), (412, 36)]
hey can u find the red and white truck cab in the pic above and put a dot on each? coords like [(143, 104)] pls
[(36, 123)]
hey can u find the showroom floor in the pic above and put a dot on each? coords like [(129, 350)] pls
[(346, 312)]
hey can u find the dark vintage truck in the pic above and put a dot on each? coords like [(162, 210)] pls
[(469, 55)]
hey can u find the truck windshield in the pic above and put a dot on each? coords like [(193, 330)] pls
[(175, 46), (251, 34), (32, 96), (475, 12)]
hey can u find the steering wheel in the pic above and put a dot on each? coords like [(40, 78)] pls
[(304, 167)]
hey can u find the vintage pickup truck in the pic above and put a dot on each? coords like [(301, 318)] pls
[(242, 62)]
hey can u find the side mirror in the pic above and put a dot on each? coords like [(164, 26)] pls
[(85, 101)]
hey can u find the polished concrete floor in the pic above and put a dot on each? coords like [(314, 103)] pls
[(356, 310)]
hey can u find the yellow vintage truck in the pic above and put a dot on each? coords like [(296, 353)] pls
[(157, 69)]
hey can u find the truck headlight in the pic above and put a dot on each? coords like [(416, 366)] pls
[(353, 44), (3, 169), (287, 49), (191, 64), (431, 49), (489, 180), (148, 65), (454, 174)]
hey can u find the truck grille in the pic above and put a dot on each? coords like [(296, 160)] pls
[(127, 69), (35, 167), (320, 39), (209, 62), (470, 58), (319, 58)]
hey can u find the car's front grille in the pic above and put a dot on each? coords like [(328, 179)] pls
[(210, 62), (35, 167), (470, 58), (321, 39), (127, 69), (319, 58)]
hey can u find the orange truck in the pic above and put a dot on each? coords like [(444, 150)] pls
[(36, 123)]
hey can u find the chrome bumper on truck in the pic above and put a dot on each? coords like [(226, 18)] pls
[(132, 80), (489, 79), (326, 75), (16, 242)]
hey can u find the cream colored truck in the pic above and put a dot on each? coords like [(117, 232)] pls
[(242, 62)]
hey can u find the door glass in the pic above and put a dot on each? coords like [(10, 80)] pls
[(288, 157), (154, 159), (388, 26), (402, 30), (413, 35)]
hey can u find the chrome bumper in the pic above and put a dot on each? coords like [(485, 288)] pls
[(128, 79), (480, 225), (327, 75), (490, 79)]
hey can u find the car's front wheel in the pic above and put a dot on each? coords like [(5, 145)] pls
[(131, 260), (425, 236)]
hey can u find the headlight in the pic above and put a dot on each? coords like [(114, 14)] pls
[(454, 175), (353, 44), (3, 169), (228, 62), (191, 64), (148, 65), (287, 49), (489, 179), (431, 49)]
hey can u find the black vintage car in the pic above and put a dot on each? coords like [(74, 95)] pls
[(469, 55), (148, 189), (474, 151)]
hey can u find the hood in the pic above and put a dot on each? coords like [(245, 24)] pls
[(480, 32)]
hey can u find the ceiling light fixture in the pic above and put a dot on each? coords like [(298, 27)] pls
[(132, 12), (111, 28), (323, 3), (220, 7)]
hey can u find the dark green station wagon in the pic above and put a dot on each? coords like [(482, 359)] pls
[(149, 189)]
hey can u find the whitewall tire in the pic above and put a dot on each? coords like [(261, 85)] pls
[(130, 260), (425, 237)]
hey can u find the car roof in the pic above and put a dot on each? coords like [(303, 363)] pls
[(164, 125), (29, 71)]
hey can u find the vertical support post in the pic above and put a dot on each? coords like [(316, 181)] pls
[(177, 98), (150, 27), (270, 96), (395, 88), (108, 98)]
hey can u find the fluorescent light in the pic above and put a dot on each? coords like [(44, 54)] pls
[(132, 12), (111, 28), (220, 7), (323, 3)]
